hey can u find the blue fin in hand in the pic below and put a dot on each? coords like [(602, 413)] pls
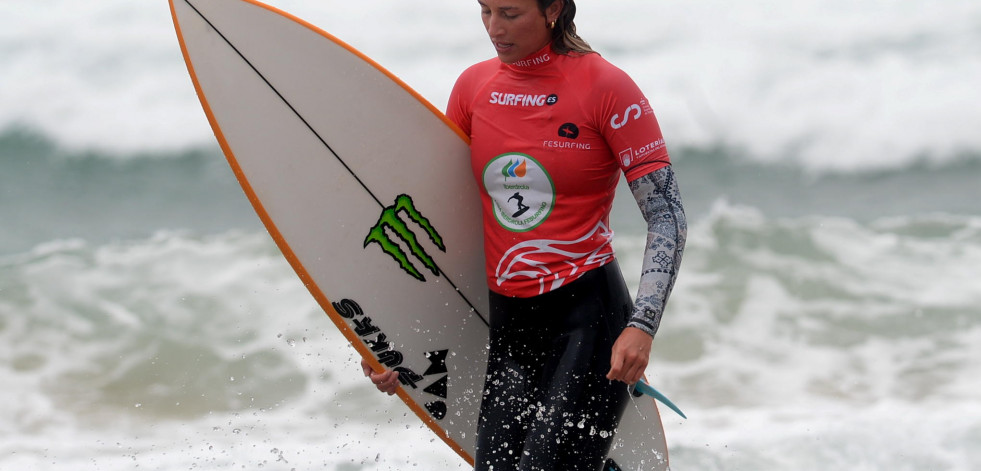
[(643, 388)]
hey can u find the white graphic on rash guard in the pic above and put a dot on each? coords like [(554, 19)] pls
[(615, 120), (530, 259), (521, 191)]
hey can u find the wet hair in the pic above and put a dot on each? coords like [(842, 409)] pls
[(564, 37)]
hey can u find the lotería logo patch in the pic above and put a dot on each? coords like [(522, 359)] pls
[(521, 190), (390, 219)]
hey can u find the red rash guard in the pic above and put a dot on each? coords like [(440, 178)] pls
[(550, 135)]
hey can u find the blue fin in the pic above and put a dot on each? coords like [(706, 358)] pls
[(644, 388)]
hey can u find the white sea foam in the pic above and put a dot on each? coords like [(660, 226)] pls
[(820, 343), (790, 343), (841, 86)]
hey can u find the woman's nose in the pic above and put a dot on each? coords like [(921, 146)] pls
[(494, 25)]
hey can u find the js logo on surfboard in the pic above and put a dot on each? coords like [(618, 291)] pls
[(390, 219), (521, 190), (392, 358)]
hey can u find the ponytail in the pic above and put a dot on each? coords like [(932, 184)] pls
[(564, 37)]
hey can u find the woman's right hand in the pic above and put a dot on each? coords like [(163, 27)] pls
[(386, 382)]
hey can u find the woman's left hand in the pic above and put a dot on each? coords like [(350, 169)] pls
[(631, 352)]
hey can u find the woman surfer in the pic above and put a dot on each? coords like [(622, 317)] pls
[(552, 125)]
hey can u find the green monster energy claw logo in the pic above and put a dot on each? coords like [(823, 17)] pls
[(389, 218)]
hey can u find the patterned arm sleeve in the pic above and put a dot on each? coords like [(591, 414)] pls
[(660, 201)]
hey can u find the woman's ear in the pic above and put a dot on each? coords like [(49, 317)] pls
[(553, 11)]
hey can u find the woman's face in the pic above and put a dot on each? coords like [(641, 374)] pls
[(517, 28)]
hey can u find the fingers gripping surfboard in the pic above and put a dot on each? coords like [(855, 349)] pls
[(367, 190)]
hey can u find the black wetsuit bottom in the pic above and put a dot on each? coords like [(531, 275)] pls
[(547, 405)]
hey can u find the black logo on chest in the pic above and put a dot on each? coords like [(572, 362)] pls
[(569, 131)]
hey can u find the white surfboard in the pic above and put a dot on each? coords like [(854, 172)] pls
[(367, 190)]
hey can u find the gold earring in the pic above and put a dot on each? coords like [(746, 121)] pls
[(552, 25)]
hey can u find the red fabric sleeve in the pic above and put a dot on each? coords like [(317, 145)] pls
[(458, 108), (627, 121)]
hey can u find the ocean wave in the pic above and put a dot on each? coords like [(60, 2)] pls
[(839, 311), (852, 88), (53, 193), (152, 328), (98, 198), (815, 333), (812, 310)]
